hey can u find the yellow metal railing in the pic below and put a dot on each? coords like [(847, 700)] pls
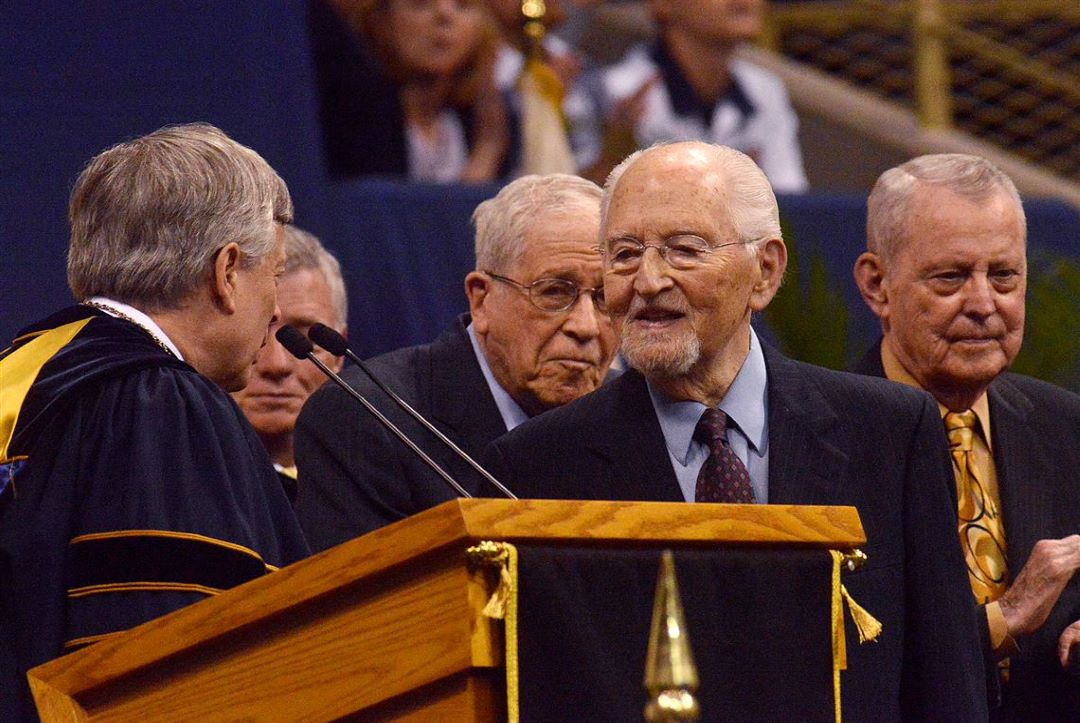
[(1004, 70)]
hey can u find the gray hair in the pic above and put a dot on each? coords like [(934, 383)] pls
[(149, 215), (888, 207), (304, 252), (751, 202), (502, 222)]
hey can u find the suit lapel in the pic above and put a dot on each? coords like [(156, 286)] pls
[(633, 447), (805, 464), (460, 398), (1016, 469)]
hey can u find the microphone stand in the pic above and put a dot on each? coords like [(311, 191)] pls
[(298, 345), (335, 343)]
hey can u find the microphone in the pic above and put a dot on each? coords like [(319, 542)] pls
[(300, 347), (335, 343)]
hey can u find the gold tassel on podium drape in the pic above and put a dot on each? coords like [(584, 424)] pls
[(866, 624), (503, 605)]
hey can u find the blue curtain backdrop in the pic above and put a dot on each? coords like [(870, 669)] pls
[(78, 77)]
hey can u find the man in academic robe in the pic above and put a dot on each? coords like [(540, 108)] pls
[(692, 247), (131, 483), (945, 271)]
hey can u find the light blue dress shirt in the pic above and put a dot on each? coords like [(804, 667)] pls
[(745, 404), (512, 414)]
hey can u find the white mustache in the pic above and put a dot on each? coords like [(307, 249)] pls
[(639, 305)]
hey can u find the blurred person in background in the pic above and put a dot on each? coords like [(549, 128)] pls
[(688, 85), (407, 89)]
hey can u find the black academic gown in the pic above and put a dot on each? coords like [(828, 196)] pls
[(135, 487)]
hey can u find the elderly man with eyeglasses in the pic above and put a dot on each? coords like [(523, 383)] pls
[(536, 337), (710, 413)]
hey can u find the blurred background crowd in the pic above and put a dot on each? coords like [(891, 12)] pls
[(391, 119)]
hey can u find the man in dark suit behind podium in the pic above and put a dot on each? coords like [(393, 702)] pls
[(692, 247), (945, 271), (536, 337)]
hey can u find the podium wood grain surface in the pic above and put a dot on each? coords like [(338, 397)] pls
[(387, 625)]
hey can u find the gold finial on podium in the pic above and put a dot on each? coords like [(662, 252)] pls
[(670, 675)]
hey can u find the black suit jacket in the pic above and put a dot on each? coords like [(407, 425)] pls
[(356, 476), (1035, 437), (834, 438)]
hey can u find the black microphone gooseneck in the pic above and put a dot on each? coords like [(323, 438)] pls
[(300, 347), (335, 343)]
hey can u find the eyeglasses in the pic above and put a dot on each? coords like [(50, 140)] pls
[(555, 294), (683, 252)]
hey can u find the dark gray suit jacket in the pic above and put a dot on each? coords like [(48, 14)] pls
[(834, 439), (355, 476), (1035, 438)]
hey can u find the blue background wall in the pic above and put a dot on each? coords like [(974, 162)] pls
[(78, 77)]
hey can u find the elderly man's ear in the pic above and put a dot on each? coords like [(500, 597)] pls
[(226, 268), (772, 262), (477, 286), (870, 278)]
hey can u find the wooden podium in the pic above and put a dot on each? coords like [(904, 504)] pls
[(384, 627)]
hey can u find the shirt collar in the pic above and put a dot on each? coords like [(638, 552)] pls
[(511, 412), (684, 101), (141, 319), (896, 372), (745, 404)]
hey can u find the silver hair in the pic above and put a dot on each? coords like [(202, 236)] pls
[(304, 252), (749, 197), (888, 208), (149, 215), (502, 222)]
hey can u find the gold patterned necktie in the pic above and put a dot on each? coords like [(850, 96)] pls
[(982, 536)]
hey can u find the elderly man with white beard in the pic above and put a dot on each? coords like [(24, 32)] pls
[(691, 244)]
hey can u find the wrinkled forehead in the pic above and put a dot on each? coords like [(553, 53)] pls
[(666, 201), (563, 238), (941, 223)]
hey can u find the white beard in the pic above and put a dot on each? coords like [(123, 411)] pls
[(660, 357)]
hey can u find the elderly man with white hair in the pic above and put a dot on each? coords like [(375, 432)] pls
[(536, 336), (692, 247), (130, 483), (946, 273)]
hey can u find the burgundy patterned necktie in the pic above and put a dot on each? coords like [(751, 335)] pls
[(723, 477)]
